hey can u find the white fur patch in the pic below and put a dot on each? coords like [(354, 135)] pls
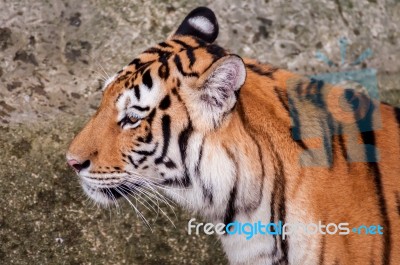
[(202, 24)]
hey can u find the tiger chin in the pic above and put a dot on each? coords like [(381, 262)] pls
[(239, 141)]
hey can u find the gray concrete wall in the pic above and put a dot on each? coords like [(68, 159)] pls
[(53, 58)]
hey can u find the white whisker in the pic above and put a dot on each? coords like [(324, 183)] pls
[(138, 213)]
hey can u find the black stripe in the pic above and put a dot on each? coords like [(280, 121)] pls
[(200, 42), (137, 92), (313, 94), (230, 209), (127, 84), (364, 121), (261, 159), (165, 45), (192, 58), (123, 77), (183, 44), (322, 250), (139, 108), (183, 140), (397, 114), (118, 97), (278, 197), (342, 144), (230, 212), (136, 62), (258, 70), (151, 116), (146, 79), (278, 206), (301, 144), (132, 162), (197, 168), (283, 98), (216, 51), (327, 142), (163, 71), (166, 129), (180, 182), (368, 138), (146, 153), (148, 138), (154, 50), (398, 202), (207, 191), (294, 114), (139, 65), (165, 103), (178, 63), (143, 159), (170, 164)]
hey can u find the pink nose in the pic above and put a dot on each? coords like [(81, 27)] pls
[(78, 166)]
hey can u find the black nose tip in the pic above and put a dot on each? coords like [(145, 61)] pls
[(78, 166)]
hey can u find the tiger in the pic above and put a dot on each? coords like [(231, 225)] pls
[(236, 140)]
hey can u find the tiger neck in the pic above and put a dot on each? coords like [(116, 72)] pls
[(233, 170)]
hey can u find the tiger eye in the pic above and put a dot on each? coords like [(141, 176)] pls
[(133, 119)]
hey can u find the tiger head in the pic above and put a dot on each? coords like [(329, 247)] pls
[(154, 111)]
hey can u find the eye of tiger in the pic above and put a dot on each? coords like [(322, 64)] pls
[(132, 120), (129, 120)]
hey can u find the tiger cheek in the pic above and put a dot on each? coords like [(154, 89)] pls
[(135, 137)]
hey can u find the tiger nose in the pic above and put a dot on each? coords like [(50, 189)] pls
[(78, 166)]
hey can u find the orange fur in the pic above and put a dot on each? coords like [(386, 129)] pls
[(342, 192)]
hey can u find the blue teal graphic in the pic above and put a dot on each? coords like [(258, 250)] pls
[(368, 230), (347, 112), (365, 77)]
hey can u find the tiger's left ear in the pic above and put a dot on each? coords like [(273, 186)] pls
[(200, 23), (217, 91)]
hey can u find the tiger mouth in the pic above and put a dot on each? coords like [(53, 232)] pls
[(116, 192), (106, 195), (113, 193), (119, 191)]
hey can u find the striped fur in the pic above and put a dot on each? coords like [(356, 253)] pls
[(273, 147)]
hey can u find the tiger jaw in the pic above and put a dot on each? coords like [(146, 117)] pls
[(96, 194), (97, 188)]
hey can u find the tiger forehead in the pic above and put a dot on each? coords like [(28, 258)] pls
[(190, 55)]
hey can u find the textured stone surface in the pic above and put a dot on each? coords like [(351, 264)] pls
[(54, 56)]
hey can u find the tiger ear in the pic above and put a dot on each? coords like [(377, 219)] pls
[(217, 91), (200, 23)]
